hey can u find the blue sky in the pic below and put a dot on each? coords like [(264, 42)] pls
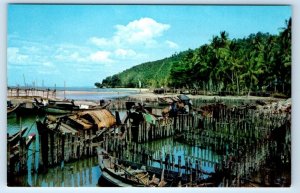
[(83, 44)]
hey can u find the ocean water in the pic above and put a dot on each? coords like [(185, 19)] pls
[(90, 93), (93, 89), (97, 95)]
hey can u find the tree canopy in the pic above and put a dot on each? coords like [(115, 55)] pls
[(259, 62)]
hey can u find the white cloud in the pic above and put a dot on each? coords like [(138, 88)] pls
[(70, 53), (15, 57), (100, 41), (101, 56), (138, 32), (47, 71), (31, 49), (125, 53), (48, 64), (75, 56), (143, 30), (172, 44)]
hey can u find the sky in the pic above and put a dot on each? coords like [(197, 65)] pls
[(49, 45)]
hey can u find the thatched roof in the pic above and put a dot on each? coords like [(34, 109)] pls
[(102, 118), (67, 129)]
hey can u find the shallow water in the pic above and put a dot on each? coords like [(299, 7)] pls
[(86, 172), (83, 173)]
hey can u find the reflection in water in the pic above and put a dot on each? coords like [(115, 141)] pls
[(80, 173), (14, 123), (163, 147), (83, 173), (260, 162)]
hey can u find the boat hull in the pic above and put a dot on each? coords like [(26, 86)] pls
[(53, 110), (56, 111), (12, 110), (113, 178)]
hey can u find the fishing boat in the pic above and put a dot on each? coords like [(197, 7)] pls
[(57, 107), (13, 139), (122, 176), (11, 109), (26, 108), (14, 143), (129, 174)]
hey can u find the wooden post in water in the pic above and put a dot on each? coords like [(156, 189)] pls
[(10, 167), (139, 133), (63, 139), (115, 138), (143, 131), (23, 155), (74, 147), (64, 89), (70, 147), (67, 148), (85, 144), (90, 143), (106, 142), (52, 149), (33, 155)]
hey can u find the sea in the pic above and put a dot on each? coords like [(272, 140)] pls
[(90, 93)]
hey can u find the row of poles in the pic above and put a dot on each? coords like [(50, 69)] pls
[(34, 92)]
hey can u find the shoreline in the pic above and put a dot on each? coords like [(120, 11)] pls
[(144, 95), (119, 93)]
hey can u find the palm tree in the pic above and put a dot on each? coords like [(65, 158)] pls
[(285, 38), (253, 68)]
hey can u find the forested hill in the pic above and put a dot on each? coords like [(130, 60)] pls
[(151, 74), (259, 62)]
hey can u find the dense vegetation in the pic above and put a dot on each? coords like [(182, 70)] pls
[(259, 62), (151, 74)]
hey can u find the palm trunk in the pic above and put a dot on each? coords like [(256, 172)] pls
[(237, 84), (250, 86)]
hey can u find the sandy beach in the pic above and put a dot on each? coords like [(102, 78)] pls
[(94, 97)]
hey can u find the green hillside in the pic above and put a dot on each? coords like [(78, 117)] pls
[(259, 62), (151, 74)]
